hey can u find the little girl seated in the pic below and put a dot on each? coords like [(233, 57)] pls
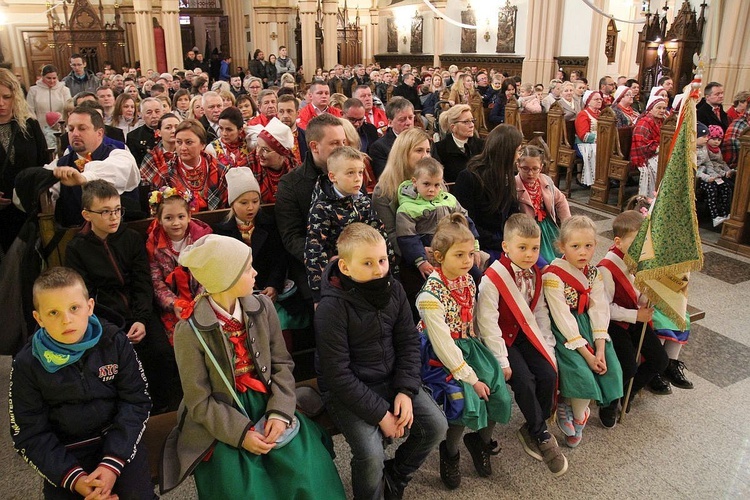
[(539, 198), (578, 306), (529, 101), (713, 179), (238, 432), (452, 349), (172, 230)]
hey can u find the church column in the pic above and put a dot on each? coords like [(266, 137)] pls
[(330, 32), (374, 33), (307, 14), (170, 21), (237, 47), (730, 59), (597, 38), (543, 35), (144, 31), (437, 39), (282, 27), (262, 39)]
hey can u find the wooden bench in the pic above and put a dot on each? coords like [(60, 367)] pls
[(735, 233), (561, 141)]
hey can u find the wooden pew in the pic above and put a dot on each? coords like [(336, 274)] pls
[(735, 233), (529, 124), (560, 139)]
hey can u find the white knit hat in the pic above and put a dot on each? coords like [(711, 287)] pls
[(217, 262), (620, 92), (278, 136), (588, 95), (656, 90), (240, 180), (652, 102)]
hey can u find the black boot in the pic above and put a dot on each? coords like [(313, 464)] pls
[(675, 373), (659, 386), (450, 468), (395, 483), (608, 414), (480, 453)]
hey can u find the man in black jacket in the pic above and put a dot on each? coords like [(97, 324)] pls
[(257, 66), (400, 114), (710, 111), (409, 91), (212, 107), (142, 140), (324, 134), (354, 111), (369, 366)]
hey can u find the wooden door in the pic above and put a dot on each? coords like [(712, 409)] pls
[(38, 54)]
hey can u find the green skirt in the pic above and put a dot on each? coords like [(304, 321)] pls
[(576, 378), (477, 411), (303, 469), (550, 232)]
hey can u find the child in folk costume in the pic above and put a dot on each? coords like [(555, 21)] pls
[(238, 431), (628, 313), (446, 305), (574, 291), (170, 232), (539, 197), (513, 322)]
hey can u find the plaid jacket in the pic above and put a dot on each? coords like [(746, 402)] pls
[(213, 194), (646, 135), (731, 145)]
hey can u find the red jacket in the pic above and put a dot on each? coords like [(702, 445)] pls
[(308, 113)]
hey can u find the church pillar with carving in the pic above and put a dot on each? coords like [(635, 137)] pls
[(144, 34), (170, 21), (543, 36), (237, 46), (438, 30), (374, 37), (307, 19), (330, 32)]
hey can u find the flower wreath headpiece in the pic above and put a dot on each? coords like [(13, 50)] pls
[(157, 197)]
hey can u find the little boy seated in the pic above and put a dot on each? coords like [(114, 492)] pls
[(422, 203), (369, 366), (513, 322), (337, 202), (78, 398), (113, 263), (628, 312)]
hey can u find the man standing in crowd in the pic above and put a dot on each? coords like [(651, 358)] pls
[(79, 79)]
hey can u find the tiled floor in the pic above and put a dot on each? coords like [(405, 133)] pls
[(693, 444)]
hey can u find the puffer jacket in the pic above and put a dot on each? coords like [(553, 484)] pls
[(42, 100), (360, 346)]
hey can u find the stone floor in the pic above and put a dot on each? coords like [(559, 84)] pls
[(693, 444)]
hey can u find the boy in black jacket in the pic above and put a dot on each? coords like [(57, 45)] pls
[(78, 398), (112, 260), (369, 362)]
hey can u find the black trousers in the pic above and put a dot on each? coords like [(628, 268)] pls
[(133, 484), (159, 365), (654, 356), (533, 382)]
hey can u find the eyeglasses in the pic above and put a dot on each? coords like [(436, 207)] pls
[(263, 151), (355, 120), (107, 214), (466, 122), (527, 169), (255, 86)]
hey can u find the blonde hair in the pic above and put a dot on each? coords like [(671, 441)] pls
[(353, 236), (225, 94), (527, 87), (451, 229), (522, 225), (627, 222), (575, 223), (352, 137), (449, 117), (429, 166), (337, 100), (20, 107), (397, 168), (341, 155), (191, 113)]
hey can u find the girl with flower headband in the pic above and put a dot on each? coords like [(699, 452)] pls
[(170, 232), (453, 353), (230, 149)]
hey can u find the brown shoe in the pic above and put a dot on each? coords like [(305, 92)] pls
[(529, 444), (553, 457)]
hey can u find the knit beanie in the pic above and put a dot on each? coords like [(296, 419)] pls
[(702, 130), (278, 136), (588, 95), (652, 101), (217, 262), (240, 180), (715, 132), (620, 92)]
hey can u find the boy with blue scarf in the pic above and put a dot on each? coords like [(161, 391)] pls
[(78, 398)]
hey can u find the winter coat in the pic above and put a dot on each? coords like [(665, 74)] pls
[(42, 100)]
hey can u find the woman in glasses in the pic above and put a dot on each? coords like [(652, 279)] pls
[(460, 143), (272, 157)]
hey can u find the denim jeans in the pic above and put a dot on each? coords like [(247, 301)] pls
[(368, 445)]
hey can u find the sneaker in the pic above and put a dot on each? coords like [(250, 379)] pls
[(675, 373), (659, 386), (717, 221), (530, 445), (450, 468), (394, 482), (553, 457), (608, 414), (565, 419), (575, 440), (480, 453)]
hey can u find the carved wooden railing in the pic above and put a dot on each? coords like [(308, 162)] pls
[(611, 163)]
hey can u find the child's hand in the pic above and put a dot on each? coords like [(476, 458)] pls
[(507, 373), (711, 179), (644, 314), (477, 259), (402, 408), (593, 363), (255, 443), (482, 390), (103, 476), (85, 489), (270, 292), (274, 428), (389, 426), (601, 362), (137, 332), (425, 269), (177, 310)]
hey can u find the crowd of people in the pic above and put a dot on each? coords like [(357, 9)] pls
[(389, 209)]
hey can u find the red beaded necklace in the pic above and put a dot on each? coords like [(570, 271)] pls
[(463, 298), (195, 178)]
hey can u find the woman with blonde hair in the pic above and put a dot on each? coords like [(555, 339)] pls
[(461, 141), (353, 140), (195, 112), (125, 116), (410, 147), (22, 145), (337, 101)]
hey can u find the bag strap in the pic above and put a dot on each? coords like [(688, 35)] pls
[(218, 368)]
